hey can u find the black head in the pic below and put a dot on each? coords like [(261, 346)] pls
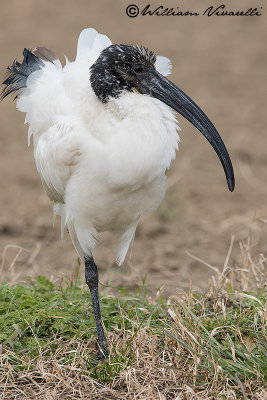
[(120, 67), (125, 68)]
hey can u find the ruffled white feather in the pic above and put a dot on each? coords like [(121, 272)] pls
[(163, 65)]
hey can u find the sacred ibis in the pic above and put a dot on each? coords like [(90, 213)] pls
[(104, 134)]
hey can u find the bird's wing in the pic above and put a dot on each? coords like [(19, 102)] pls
[(56, 153), (52, 98)]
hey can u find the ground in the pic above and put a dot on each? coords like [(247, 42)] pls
[(220, 62)]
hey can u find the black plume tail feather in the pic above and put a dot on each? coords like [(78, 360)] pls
[(17, 73)]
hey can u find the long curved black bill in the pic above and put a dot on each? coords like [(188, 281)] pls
[(164, 90)]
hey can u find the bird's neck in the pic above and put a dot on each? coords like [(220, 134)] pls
[(106, 84)]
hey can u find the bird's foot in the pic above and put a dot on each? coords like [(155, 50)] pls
[(101, 355), (103, 350)]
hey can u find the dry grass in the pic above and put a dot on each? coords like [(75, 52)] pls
[(193, 346)]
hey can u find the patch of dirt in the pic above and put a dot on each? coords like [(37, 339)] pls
[(221, 63)]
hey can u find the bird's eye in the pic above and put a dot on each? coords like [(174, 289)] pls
[(138, 68)]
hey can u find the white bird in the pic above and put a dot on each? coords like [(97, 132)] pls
[(104, 134)]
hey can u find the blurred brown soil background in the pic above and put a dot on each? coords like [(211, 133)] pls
[(221, 63)]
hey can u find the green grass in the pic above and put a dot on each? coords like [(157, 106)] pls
[(208, 341), (38, 318)]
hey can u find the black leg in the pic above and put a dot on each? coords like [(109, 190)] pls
[(91, 277)]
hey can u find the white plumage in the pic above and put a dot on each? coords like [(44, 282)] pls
[(102, 164)]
